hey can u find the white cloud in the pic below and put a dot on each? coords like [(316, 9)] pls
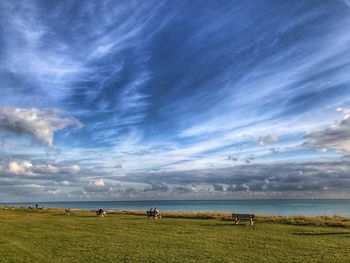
[(38, 168), (34, 186), (98, 182), (41, 124), (346, 113), (73, 169), (20, 168), (97, 185), (65, 182)]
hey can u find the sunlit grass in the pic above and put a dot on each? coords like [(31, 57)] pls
[(128, 236), (334, 221)]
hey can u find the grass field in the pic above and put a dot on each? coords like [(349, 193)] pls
[(50, 236)]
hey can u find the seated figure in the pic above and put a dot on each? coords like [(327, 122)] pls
[(100, 212), (156, 213)]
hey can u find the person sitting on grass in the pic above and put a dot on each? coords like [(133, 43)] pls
[(155, 213), (100, 212)]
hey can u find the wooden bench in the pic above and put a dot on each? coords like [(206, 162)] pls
[(243, 217)]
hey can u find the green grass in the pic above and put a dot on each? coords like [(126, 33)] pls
[(50, 236), (334, 221)]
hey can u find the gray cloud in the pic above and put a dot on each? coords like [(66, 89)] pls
[(159, 187), (182, 189), (313, 176), (41, 124), (334, 137), (270, 138), (118, 166), (231, 188), (242, 181), (34, 191), (218, 187)]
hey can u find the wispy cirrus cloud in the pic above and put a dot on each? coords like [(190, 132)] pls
[(169, 88)]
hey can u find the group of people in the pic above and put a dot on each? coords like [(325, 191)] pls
[(154, 213), (32, 207)]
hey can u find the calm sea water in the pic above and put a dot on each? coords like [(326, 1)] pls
[(272, 207)]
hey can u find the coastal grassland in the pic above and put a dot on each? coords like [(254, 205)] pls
[(50, 236), (333, 221)]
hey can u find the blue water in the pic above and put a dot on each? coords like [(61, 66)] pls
[(271, 207)]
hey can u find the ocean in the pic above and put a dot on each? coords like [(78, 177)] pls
[(268, 207)]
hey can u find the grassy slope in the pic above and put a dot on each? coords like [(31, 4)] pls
[(50, 236)]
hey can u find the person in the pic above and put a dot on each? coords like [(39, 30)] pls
[(36, 206), (156, 213), (101, 212), (150, 212)]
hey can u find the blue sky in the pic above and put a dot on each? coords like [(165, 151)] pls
[(119, 100)]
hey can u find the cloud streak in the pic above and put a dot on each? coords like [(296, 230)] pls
[(208, 94)]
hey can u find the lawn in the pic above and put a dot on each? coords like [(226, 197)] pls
[(50, 236)]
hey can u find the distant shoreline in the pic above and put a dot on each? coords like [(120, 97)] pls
[(285, 207), (183, 200)]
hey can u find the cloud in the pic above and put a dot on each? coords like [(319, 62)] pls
[(20, 168), (118, 166), (284, 177), (135, 80), (231, 188), (44, 169), (270, 138), (34, 186), (336, 136), (97, 186), (65, 182), (73, 169), (98, 182), (218, 187), (157, 187), (182, 189), (241, 181), (41, 124)]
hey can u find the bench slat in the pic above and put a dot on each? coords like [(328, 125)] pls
[(243, 217)]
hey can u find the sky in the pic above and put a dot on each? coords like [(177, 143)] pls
[(190, 99)]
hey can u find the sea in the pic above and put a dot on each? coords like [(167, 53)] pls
[(284, 207)]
